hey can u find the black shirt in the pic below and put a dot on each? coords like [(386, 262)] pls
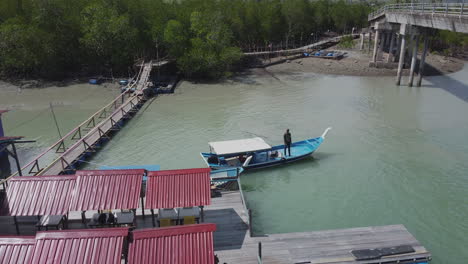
[(287, 138)]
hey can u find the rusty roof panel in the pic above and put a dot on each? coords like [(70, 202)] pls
[(107, 189), (178, 188), (39, 195), (16, 249), (176, 245), (80, 246)]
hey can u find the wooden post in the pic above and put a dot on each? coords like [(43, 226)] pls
[(152, 215), (142, 207), (16, 225), (250, 222), (202, 213), (423, 60), (260, 250), (16, 159), (414, 59)]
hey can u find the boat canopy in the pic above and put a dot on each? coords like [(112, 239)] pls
[(238, 146)]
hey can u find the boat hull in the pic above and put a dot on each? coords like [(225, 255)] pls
[(266, 158)]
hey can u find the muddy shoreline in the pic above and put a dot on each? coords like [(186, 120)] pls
[(356, 63)]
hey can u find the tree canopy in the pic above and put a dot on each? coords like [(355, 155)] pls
[(53, 38)]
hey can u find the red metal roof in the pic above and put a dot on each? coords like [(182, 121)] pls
[(178, 188), (176, 245), (39, 195), (80, 246), (16, 249), (107, 189)]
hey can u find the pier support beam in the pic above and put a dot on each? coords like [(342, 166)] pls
[(402, 53), (414, 54), (390, 50), (423, 60), (376, 46)]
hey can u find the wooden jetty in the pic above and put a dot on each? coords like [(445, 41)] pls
[(329, 41), (85, 139), (233, 244)]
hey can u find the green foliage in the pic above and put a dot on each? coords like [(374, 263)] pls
[(107, 36), (23, 47), (450, 43), (346, 42), (205, 37)]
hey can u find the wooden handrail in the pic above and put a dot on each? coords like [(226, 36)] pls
[(82, 125)]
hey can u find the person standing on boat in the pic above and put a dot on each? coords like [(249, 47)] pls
[(287, 142)]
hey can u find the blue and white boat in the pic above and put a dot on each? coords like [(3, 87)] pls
[(254, 153)]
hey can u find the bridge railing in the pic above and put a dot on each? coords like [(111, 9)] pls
[(79, 132), (447, 9)]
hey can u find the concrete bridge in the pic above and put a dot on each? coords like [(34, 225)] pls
[(395, 25)]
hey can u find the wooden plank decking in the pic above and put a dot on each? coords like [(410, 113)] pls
[(234, 245)]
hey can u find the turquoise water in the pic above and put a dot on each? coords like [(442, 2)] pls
[(395, 155)]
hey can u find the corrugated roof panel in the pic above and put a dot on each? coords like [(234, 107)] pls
[(107, 189), (176, 245), (178, 188), (80, 246), (16, 249), (40, 195)]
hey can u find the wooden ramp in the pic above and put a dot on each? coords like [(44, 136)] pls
[(234, 245)]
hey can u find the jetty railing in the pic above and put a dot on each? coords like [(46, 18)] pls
[(35, 166), (445, 9), (247, 210), (88, 143), (301, 49)]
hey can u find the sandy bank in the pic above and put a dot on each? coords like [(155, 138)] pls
[(356, 63)]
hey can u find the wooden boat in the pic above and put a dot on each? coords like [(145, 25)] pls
[(229, 174), (254, 153)]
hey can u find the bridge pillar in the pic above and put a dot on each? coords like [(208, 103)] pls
[(370, 41), (401, 60), (361, 46), (376, 46), (397, 50), (423, 60), (383, 37), (414, 58), (390, 50)]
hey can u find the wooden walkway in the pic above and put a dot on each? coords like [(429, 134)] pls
[(84, 139), (316, 45), (234, 245)]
